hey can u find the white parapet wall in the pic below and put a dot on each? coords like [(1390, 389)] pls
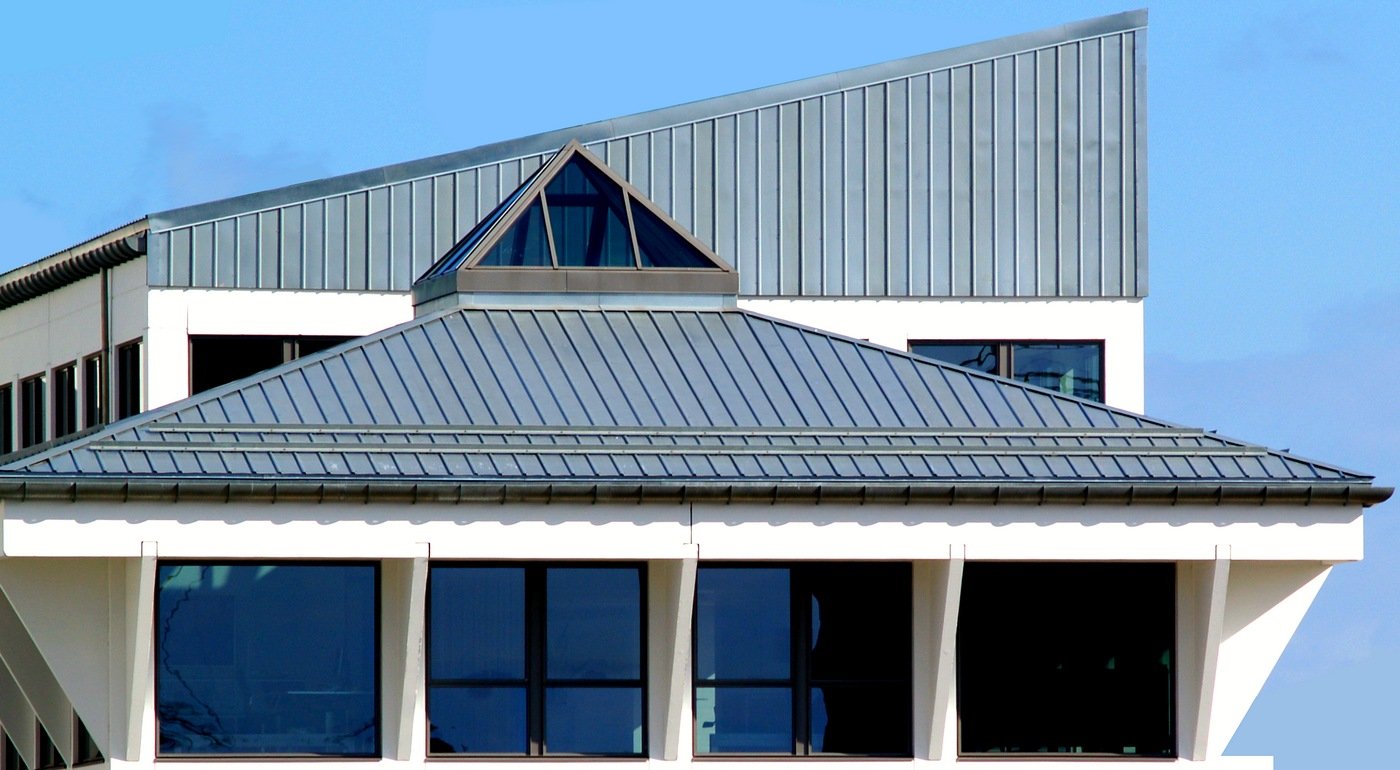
[(895, 322)]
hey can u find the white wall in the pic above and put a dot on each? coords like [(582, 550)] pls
[(895, 322), (177, 313)]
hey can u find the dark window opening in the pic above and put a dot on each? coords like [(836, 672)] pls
[(85, 749), (810, 659), (1067, 659), (263, 659), (31, 411), (48, 756), (1071, 368), (92, 391), (588, 218), (12, 758), (7, 421), (536, 660), (65, 400), (128, 401), (217, 359)]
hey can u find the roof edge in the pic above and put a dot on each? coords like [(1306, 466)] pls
[(339, 491), (547, 142), (109, 249)]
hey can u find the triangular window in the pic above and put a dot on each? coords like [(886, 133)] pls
[(589, 218), (661, 245), (524, 244)]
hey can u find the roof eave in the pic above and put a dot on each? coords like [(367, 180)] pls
[(339, 491), (73, 264)]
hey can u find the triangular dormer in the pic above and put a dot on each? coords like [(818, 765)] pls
[(576, 233)]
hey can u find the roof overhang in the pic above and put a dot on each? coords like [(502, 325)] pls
[(73, 264)]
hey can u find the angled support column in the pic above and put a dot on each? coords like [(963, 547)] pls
[(405, 589), (140, 658), (937, 593), (670, 615), (15, 710), (1207, 584)]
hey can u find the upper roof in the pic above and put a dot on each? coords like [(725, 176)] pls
[(575, 229), (499, 404), (1010, 168)]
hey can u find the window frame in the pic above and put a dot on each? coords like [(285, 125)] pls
[(33, 412), (93, 388), (11, 759), (63, 400), (128, 380), (80, 759), (7, 420), (536, 682), (1005, 350), (799, 620), (1173, 688), (376, 753), (46, 753)]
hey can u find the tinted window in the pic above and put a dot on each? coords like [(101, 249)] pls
[(1069, 368), (128, 397), (1067, 659), (267, 659), (92, 391), (587, 217), (980, 356), (7, 411), (65, 400), (85, 749), (31, 411)]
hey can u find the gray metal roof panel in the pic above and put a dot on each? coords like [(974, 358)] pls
[(635, 395)]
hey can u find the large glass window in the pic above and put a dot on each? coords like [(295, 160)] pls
[(1067, 659), (810, 659), (534, 660), (216, 359), (267, 659), (1072, 368)]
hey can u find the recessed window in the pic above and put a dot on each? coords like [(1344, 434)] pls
[(65, 400), (216, 359), (7, 420), (1072, 368), (805, 660), (92, 391), (1067, 659), (12, 758), (85, 749), (257, 659), (128, 396), (48, 756), (31, 411), (536, 660)]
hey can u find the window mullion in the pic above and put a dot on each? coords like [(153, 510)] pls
[(801, 642), (534, 656)]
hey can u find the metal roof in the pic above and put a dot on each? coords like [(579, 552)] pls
[(514, 403), (1011, 168), (109, 249)]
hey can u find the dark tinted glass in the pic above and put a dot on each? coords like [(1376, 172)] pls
[(47, 752), (7, 410), (593, 720), (128, 396), (523, 245), (743, 719), (267, 659), (983, 358), (85, 749), (860, 622), (587, 215), (660, 244), (1067, 658), (460, 252), (478, 623), (305, 346), (593, 623), (481, 720), (219, 359), (65, 400), (31, 412), (13, 760), (92, 391), (1069, 368), (743, 628), (861, 718)]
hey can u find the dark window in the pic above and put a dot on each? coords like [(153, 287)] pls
[(661, 244), (524, 245), (31, 411), (13, 760), (65, 400), (217, 359), (533, 660), (85, 749), (48, 756), (7, 421), (588, 218), (1072, 368), (267, 659), (810, 659), (128, 379), (1067, 659), (92, 391)]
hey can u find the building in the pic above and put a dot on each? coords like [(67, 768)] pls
[(599, 496)]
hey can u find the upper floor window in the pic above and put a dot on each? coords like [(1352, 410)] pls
[(128, 397), (12, 759), (92, 391), (7, 419), (48, 756), (216, 359), (1072, 368), (809, 659), (65, 400), (31, 411), (536, 660), (1067, 659), (85, 749), (267, 659)]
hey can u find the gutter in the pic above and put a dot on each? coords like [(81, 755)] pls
[(73, 264), (135, 490)]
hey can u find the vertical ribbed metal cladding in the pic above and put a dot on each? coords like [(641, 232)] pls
[(1020, 173)]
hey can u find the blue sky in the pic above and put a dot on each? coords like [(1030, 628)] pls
[(1274, 214)]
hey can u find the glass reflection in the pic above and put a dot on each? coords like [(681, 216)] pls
[(593, 720), (482, 611), (587, 217), (485, 720), (593, 623), (743, 719), (743, 628), (971, 355), (1069, 368), (266, 659)]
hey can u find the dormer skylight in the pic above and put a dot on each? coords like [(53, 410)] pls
[(576, 228)]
